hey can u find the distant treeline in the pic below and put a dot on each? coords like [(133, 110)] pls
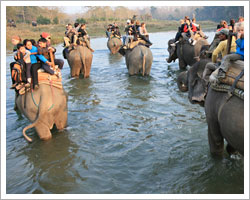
[(54, 15)]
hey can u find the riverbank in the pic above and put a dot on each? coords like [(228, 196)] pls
[(96, 29)]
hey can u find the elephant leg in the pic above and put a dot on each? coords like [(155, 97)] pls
[(230, 149), (131, 70), (75, 72), (182, 64), (88, 64), (61, 119), (43, 131), (215, 139)]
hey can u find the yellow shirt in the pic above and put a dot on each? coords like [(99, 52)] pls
[(222, 48)]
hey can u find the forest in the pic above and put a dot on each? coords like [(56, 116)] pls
[(56, 15)]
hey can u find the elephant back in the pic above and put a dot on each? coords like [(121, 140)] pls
[(139, 60), (80, 61), (114, 45)]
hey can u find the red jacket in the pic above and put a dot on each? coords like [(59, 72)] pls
[(193, 28), (185, 29)]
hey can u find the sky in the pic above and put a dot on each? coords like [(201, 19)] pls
[(80, 9)]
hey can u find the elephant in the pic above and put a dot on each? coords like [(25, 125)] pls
[(224, 113), (79, 60), (44, 107), (185, 52), (114, 44), (138, 60)]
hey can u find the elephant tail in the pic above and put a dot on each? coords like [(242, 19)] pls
[(143, 64), (29, 127), (38, 119), (114, 43), (83, 62)]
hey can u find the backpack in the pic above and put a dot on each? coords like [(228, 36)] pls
[(17, 73)]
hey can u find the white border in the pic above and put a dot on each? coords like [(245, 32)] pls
[(121, 196)]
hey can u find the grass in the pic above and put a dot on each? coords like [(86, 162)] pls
[(95, 29)]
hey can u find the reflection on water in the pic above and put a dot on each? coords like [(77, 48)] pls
[(125, 134), (114, 58)]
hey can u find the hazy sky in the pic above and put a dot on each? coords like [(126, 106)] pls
[(72, 9), (80, 9)]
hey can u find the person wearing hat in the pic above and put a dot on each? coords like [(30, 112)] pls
[(47, 37), (58, 62), (124, 38), (239, 53), (220, 49)]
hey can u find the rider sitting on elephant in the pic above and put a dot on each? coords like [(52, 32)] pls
[(115, 31), (45, 58), (58, 62), (220, 49), (84, 37), (128, 35), (197, 32), (238, 55), (22, 58), (108, 31), (35, 65), (223, 24), (143, 34), (70, 36), (15, 40), (185, 30)]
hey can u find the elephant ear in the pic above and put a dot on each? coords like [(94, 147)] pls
[(172, 51), (182, 81), (196, 85)]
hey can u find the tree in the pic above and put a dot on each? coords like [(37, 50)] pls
[(55, 20), (81, 21), (43, 20)]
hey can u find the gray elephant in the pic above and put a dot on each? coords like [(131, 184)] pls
[(185, 52), (79, 60), (114, 44), (44, 107), (138, 60), (224, 114)]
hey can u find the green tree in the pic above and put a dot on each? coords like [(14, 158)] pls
[(81, 21), (43, 20), (55, 20)]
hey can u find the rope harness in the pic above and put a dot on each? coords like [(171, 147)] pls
[(52, 82), (231, 90)]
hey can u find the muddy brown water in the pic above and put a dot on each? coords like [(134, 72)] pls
[(124, 135)]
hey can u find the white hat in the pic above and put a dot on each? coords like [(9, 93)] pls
[(128, 21)]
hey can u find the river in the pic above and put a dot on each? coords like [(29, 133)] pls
[(125, 135)]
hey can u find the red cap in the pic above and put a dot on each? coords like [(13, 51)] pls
[(45, 35)]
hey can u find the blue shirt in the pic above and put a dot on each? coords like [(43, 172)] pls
[(240, 47), (33, 57)]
